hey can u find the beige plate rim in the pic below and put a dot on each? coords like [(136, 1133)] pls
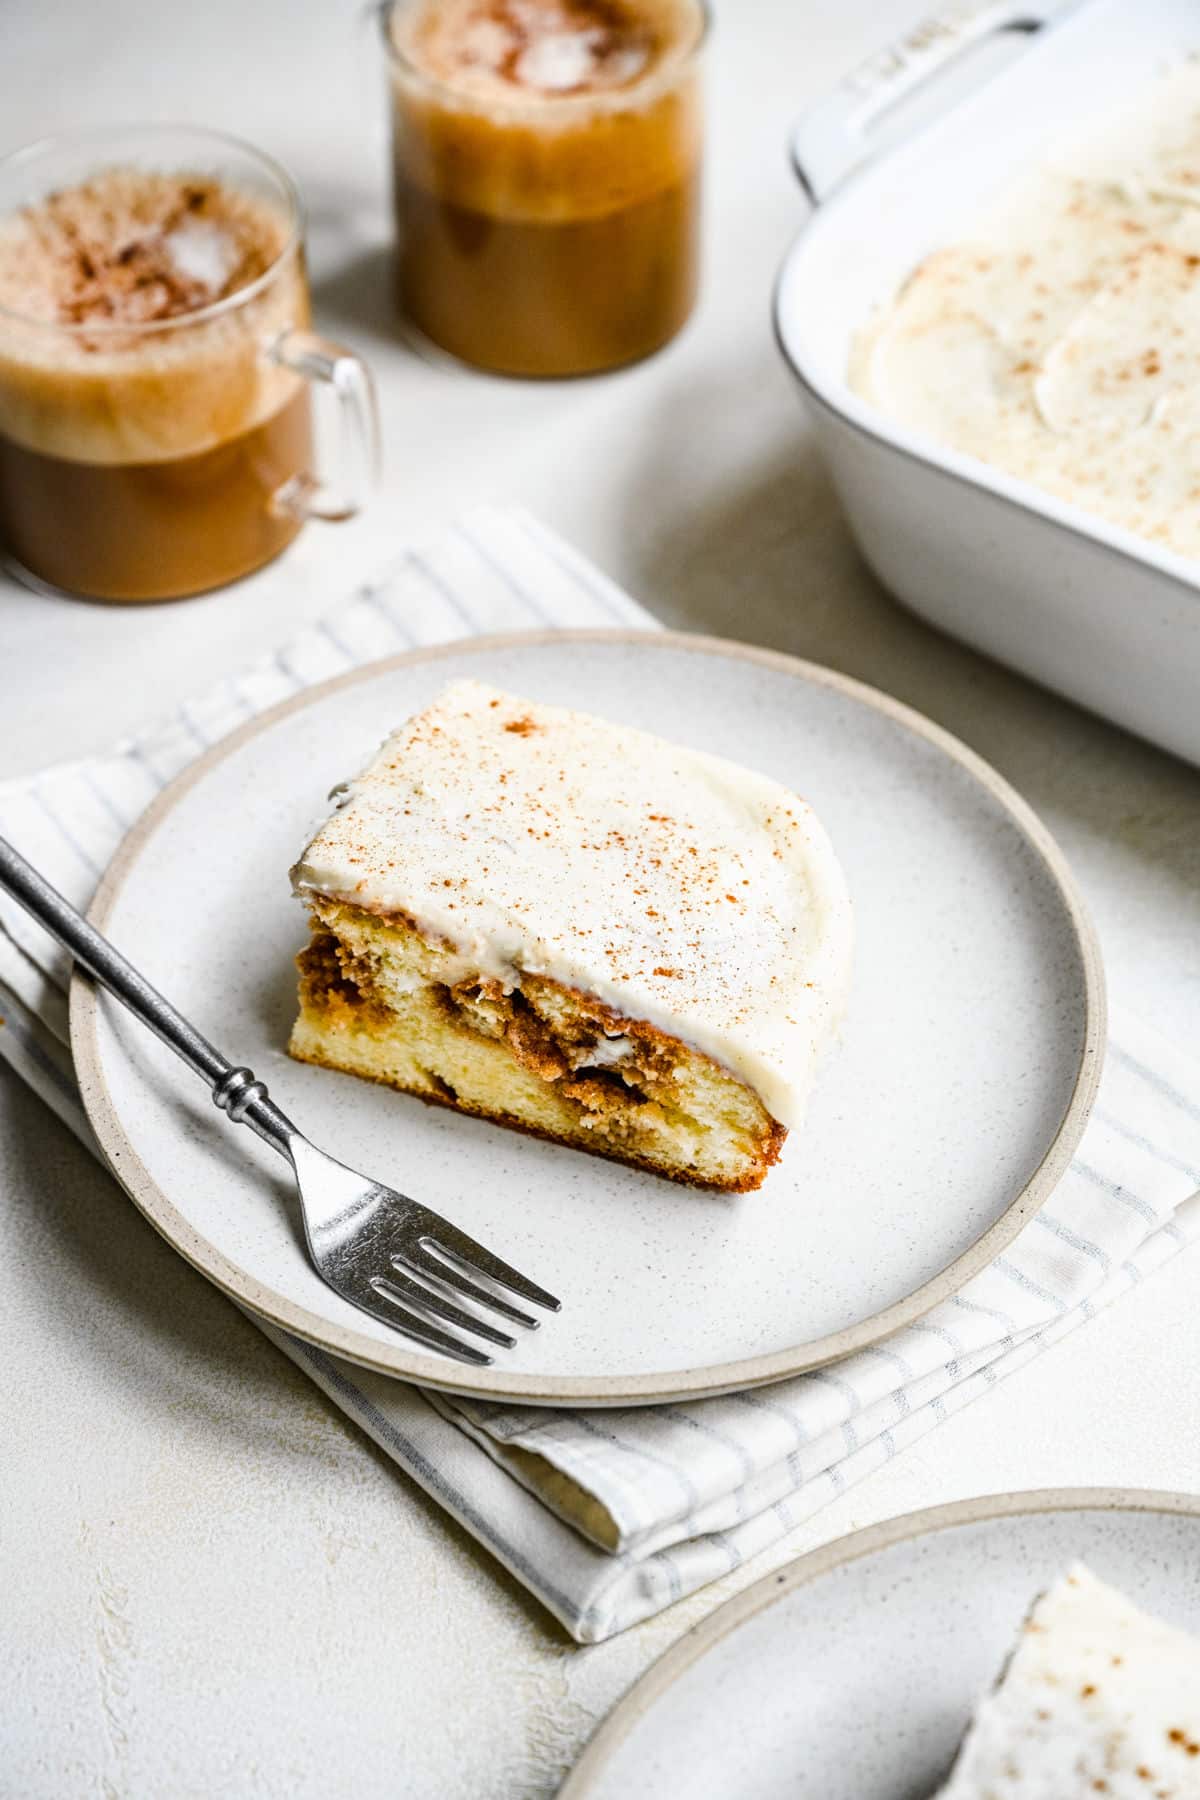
[(497, 1383), (703, 1637)]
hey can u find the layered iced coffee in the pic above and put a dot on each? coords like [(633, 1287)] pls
[(547, 176)]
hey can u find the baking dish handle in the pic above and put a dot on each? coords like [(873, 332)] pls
[(834, 135)]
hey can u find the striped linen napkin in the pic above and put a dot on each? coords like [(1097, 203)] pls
[(610, 1516)]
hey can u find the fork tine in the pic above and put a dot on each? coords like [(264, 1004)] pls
[(424, 1331), (403, 1287), (454, 1244), (429, 1263)]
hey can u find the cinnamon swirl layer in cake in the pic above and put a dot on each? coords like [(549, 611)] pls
[(579, 930)]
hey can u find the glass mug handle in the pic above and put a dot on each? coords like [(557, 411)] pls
[(317, 360)]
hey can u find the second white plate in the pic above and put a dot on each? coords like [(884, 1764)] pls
[(968, 1065), (852, 1675)]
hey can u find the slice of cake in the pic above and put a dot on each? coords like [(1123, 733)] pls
[(1098, 1699), (579, 930)]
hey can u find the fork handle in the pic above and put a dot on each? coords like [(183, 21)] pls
[(234, 1089)]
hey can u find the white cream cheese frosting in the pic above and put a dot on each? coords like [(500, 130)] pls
[(676, 887), (1098, 1698), (1062, 341)]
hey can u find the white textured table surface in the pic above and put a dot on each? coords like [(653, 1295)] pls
[(211, 1583)]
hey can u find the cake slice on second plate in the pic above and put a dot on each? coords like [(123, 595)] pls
[(1098, 1698), (577, 929)]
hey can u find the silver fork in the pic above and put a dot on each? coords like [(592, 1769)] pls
[(375, 1247)]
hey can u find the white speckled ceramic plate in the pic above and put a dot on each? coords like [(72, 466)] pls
[(969, 1060), (852, 1674)]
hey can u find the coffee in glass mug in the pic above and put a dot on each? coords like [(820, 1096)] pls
[(155, 366), (547, 176)]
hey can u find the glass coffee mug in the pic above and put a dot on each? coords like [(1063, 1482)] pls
[(547, 176), (156, 366)]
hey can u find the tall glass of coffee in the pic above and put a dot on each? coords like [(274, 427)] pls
[(156, 364), (547, 176)]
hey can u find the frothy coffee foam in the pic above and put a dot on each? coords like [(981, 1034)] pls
[(532, 50), (128, 249), (133, 247), (472, 133)]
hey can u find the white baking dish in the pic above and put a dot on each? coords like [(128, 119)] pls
[(1087, 608)]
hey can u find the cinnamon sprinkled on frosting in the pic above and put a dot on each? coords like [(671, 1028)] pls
[(676, 887)]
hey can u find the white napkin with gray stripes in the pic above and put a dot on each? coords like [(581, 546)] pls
[(610, 1516)]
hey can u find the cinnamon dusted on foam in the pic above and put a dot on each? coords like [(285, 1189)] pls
[(134, 247), (673, 886)]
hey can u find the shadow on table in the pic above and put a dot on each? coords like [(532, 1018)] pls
[(357, 300)]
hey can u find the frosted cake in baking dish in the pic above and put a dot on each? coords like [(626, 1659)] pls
[(576, 929), (1059, 338)]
